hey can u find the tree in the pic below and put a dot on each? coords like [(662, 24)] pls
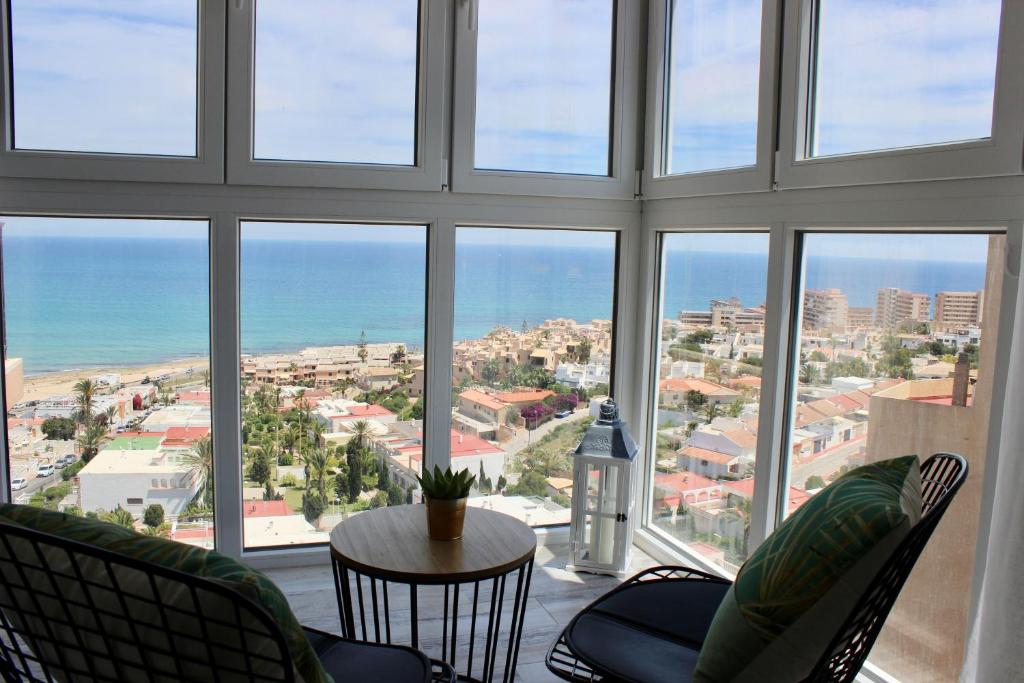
[(200, 465), (109, 414), (355, 475), (362, 353), (379, 500), (895, 361), (259, 470), (416, 411), (695, 400), (313, 507), (396, 496), (119, 516), (710, 411), (59, 428), (490, 371), (530, 484), (814, 482), (736, 408), (86, 391), (90, 440), (808, 374), (583, 351), (153, 515)]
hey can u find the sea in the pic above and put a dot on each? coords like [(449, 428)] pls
[(75, 302)]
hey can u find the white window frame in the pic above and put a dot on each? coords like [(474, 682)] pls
[(622, 180), (657, 182), (1001, 154), (961, 206), (206, 167), (428, 173)]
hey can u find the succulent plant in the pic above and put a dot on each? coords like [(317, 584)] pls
[(446, 485)]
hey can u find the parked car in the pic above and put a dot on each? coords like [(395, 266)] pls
[(563, 413), (66, 460), (19, 483), (44, 471)]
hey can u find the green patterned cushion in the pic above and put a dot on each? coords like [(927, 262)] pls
[(795, 590), (185, 558)]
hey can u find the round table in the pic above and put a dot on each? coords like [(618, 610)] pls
[(390, 546)]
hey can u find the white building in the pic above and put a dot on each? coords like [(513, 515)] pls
[(845, 384), (578, 375), (135, 479), (176, 416), (681, 369)]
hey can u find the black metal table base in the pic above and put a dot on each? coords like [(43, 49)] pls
[(367, 616)]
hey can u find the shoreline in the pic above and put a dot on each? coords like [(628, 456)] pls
[(39, 387)]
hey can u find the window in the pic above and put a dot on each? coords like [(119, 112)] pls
[(111, 77), (349, 94), (895, 355), (545, 97), (902, 74), (543, 86), (709, 390), (533, 345), (711, 91), (106, 367), (714, 59), (333, 370), (879, 91)]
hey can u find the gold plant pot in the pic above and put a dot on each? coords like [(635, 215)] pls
[(445, 518)]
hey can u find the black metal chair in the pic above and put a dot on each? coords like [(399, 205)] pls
[(651, 628), (72, 611)]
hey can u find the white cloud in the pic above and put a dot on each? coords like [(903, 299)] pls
[(117, 76)]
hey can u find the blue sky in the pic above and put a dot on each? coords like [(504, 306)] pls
[(120, 76)]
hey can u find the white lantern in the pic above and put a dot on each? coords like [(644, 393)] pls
[(602, 500)]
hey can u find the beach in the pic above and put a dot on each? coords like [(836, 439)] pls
[(44, 386)]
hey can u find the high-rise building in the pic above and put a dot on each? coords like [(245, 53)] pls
[(955, 310), (895, 307), (860, 317), (825, 310)]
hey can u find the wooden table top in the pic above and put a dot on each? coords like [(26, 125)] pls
[(392, 543)]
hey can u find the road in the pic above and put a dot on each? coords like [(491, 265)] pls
[(827, 463), (36, 483), (524, 438)]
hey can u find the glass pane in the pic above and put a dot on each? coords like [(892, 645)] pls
[(335, 80), (332, 374), (543, 85), (714, 57), (709, 390), (896, 352), (107, 371), (117, 76), (900, 74), (533, 351)]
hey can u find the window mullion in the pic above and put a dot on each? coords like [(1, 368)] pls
[(771, 460), (440, 318), (225, 361)]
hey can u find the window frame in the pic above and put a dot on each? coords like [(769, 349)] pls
[(206, 167), (658, 183), (623, 149), (428, 173), (1000, 154)]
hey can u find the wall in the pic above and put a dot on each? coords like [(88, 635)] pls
[(923, 640)]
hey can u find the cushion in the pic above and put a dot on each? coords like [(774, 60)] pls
[(794, 592), (368, 662), (185, 558)]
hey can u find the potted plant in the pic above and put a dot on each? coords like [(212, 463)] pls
[(445, 494)]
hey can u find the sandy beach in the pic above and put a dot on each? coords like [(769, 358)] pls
[(57, 383)]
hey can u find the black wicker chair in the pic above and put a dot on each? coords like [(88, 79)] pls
[(651, 627), (72, 611)]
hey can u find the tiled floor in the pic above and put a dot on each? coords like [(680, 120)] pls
[(555, 596)]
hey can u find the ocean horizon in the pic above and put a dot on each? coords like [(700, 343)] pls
[(77, 303)]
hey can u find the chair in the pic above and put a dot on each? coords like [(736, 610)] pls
[(625, 636), (73, 611)]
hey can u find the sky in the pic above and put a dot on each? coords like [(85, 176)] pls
[(120, 76)]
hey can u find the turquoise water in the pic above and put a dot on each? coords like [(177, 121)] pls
[(75, 302)]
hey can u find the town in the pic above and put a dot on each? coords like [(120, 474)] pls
[(331, 431)]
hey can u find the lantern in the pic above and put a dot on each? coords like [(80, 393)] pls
[(602, 500)]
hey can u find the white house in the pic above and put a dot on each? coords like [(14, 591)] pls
[(135, 479)]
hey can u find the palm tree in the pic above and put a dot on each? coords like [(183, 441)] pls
[(90, 440), (110, 412), (711, 411), (317, 430), (200, 464), (360, 429), (119, 516), (86, 390), (317, 460)]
